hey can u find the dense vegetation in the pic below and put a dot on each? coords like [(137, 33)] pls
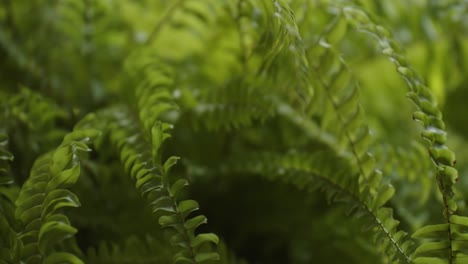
[(289, 124)]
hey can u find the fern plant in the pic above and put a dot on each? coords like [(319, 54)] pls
[(288, 119)]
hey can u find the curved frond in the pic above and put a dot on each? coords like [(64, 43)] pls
[(247, 88), (142, 161), (326, 171), (45, 194), (428, 112)]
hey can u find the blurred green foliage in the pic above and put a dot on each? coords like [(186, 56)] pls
[(291, 119)]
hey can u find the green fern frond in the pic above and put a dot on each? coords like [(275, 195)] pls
[(133, 251), (151, 175), (337, 102), (285, 39), (44, 194), (142, 161), (154, 98), (312, 172), (428, 112), (248, 88)]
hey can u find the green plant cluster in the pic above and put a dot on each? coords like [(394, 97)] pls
[(306, 131)]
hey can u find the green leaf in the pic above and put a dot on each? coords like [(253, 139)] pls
[(187, 206), (195, 222), (181, 258), (459, 220), (169, 163), (28, 203), (432, 246), (384, 196), (163, 203), (61, 158), (156, 138), (180, 239), (57, 199), (64, 179), (82, 134), (146, 179), (30, 214), (81, 146), (432, 231), (177, 186), (460, 246), (203, 238), (53, 232), (170, 220), (449, 174), (6, 155)]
